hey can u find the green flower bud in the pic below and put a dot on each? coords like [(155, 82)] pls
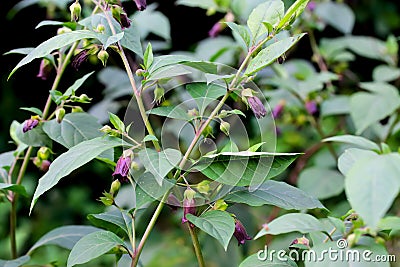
[(103, 56), (100, 28), (220, 204), (140, 72), (106, 129), (189, 194), (203, 187), (75, 10), (108, 199), (135, 166), (208, 131), (158, 94), (63, 30), (43, 153), (224, 127), (60, 113), (76, 109), (83, 98), (193, 113), (115, 186), (37, 161)]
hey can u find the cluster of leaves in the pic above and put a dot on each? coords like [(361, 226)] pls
[(354, 165)]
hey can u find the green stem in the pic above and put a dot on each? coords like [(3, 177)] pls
[(196, 245)]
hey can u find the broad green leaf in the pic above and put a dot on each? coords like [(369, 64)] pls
[(204, 66), (52, 44), (71, 160), (33, 110), (264, 259), (23, 51), (275, 193), (116, 122), (160, 163), (215, 77), (148, 56), (338, 15), (357, 141), (35, 137), (152, 21), (92, 246), (172, 112), (19, 189), (15, 263), (113, 39), (150, 137), (74, 128), (114, 221), (77, 84), (320, 182), (219, 224), (244, 168), (362, 255), (241, 31), (270, 11), (372, 184), (269, 54), (368, 108), (335, 105), (255, 147), (389, 223), (351, 156), (148, 189), (205, 94), (167, 60), (292, 222), (64, 236), (52, 23), (385, 73), (6, 159), (131, 40), (292, 13)]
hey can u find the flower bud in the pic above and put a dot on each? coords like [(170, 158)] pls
[(43, 153), (141, 4), (60, 113), (108, 199), (277, 111), (103, 56), (122, 169), (120, 15), (189, 204), (208, 131), (83, 98), (135, 166), (106, 129), (301, 242), (311, 107), (76, 109), (44, 69), (240, 233), (224, 127), (203, 187), (158, 94), (63, 30), (100, 28), (115, 186), (37, 162), (257, 107), (44, 167), (75, 10), (140, 72), (220, 204), (30, 124)]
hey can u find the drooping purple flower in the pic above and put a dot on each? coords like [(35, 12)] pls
[(29, 125), (311, 6), (141, 4), (189, 207), (277, 110), (311, 107), (81, 57), (44, 69), (240, 233), (124, 20), (122, 169), (257, 106), (215, 30)]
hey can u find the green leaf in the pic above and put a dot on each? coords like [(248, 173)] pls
[(351, 156), (275, 193), (338, 15), (131, 40), (35, 137), (52, 44), (205, 94), (150, 137), (148, 189), (173, 112), (257, 260), (6, 159), (244, 168), (292, 222), (255, 147), (389, 223), (92, 246), (219, 224), (19, 189), (74, 128), (71, 160), (64, 236), (269, 54), (114, 221), (152, 21), (269, 11), (335, 105), (320, 182), (116, 122), (372, 184), (77, 84), (23, 51), (33, 110), (241, 31), (160, 163), (15, 263), (113, 39), (368, 108), (148, 56), (357, 141), (385, 73), (204, 66), (292, 13)]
